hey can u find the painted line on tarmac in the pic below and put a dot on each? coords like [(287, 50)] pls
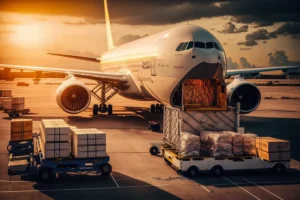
[(9, 181), (114, 180), (241, 187), (82, 189), (262, 188)]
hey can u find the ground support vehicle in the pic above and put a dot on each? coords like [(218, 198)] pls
[(16, 113), (46, 169)]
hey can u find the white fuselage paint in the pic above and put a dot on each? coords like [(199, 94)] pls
[(155, 67)]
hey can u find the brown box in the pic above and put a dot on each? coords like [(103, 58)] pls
[(269, 144), (275, 156), (21, 129)]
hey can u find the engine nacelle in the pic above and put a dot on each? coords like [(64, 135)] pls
[(244, 92), (73, 96)]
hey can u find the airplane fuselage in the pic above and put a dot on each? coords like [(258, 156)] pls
[(156, 65)]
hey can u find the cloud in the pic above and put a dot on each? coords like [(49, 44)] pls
[(265, 42), (242, 64), (245, 64), (248, 43), (6, 31), (231, 64), (128, 38), (229, 27), (287, 29), (260, 12), (260, 34), (74, 52), (279, 58)]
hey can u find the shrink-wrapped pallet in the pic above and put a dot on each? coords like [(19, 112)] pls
[(216, 143), (249, 144), (237, 143), (21, 129), (88, 143), (189, 144)]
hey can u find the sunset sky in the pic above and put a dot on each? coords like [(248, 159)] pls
[(252, 32)]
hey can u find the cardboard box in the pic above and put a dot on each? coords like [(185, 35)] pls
[(18, 106), (20, 129), (2, 99), (7, 104), (56, 149), (269, 144), (55, 132), (18, 100), (88, 136), (5, 93), (275, 156)]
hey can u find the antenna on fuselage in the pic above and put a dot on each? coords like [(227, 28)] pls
[(110, 42)]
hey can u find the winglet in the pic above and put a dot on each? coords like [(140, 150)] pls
[(110, 42)]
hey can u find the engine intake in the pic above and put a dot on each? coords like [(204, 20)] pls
[(244, 92), (73, 96)]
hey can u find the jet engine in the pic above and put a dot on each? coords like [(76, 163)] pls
[(244, 92), (73, 96)]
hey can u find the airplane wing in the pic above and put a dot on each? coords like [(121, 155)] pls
[(76, 57), (232, 72), (94, 75)]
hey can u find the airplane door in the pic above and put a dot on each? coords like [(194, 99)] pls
[(152, 67)]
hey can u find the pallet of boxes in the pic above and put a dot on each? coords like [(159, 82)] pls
[(55, 139), (5, 96)]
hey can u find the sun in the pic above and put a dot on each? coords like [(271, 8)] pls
[(29, 35)]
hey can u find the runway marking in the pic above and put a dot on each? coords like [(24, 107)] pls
[(114, 180), (82, 189), (262, 188), (241, 187), (5, 181)]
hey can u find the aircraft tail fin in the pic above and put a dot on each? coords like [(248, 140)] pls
[(110, 42)]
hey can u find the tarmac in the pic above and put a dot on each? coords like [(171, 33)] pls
[(138, 175)]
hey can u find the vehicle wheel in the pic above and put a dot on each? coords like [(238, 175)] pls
[(109, 109), (157, 108), (100, 108), (10, 115), (217, 170), (45, 174), (95, 109), (278, 168), (154, 150), (105, 169), (192, 172), (152, 109)]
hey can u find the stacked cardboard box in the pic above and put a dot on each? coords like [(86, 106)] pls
[(55, 138), (20, 129), (5, 93), (272, 149), (7, 105), (2, 99), (18, 103), (88, 143)]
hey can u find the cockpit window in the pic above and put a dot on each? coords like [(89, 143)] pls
[(179, 46), (190, 45), (199, 45), (209, 45), (218, 46), (184, 46)]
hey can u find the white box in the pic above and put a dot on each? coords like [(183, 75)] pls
[(7, 104), (88, 136), (56, 149), (55, 133)]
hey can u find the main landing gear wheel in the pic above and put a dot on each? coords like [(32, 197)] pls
[(157, 108), (109, 109), (102, 108), (152, 109), (105, 169), (95, 109), (45, 174)]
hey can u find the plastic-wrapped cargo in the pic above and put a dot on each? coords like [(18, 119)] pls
[(20, 129), (189, 144), (5, 93), (88, 143), (237, 143), (249, 144), (216, 143)]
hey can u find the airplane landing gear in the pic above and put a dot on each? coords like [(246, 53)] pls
[(157, 108), (107, 91)]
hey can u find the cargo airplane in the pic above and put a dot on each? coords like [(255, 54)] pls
[(153, 68)]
